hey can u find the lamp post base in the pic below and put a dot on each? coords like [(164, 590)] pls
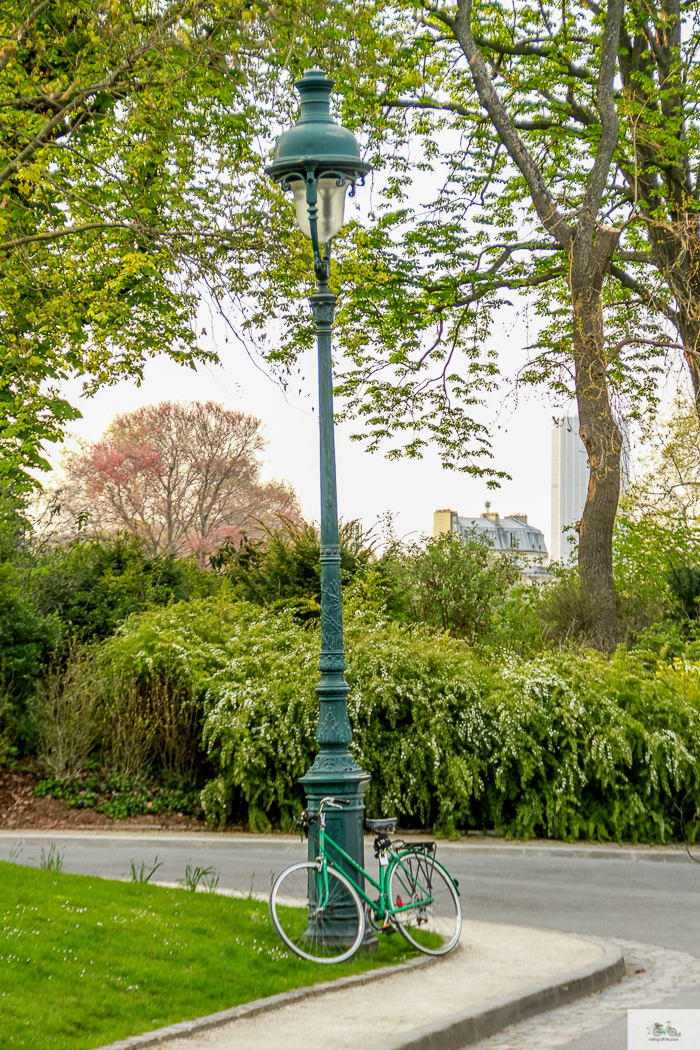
[(336, 773)]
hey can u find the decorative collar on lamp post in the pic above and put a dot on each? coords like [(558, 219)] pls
[(318, 160)]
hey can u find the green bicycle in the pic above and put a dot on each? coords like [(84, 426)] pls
[(322, 913)]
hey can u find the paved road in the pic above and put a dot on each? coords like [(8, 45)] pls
[(646, 902)]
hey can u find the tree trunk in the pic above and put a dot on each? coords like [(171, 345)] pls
[(662, 178), (676, 252), (599, 432), (689, 331), (589, 246)]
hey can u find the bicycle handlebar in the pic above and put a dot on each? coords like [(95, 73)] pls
[(332, 803), (310, 816)]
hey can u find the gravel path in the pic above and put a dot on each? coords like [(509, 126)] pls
[(491, 961)]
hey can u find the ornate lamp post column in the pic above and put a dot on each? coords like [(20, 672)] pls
[(319, 161)]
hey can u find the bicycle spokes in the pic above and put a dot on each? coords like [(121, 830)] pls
[(317, 913), (425, 903)]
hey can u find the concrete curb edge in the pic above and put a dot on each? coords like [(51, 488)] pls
[(467, 1027), (263, 1006), (452, 1032)]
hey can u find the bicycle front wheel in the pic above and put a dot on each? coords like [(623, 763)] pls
[(317, 912), (425, 904)]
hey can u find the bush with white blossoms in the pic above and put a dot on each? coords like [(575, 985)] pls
[(566, 745)]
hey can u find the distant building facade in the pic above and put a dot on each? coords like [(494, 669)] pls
[(512, 535), (570, 473)]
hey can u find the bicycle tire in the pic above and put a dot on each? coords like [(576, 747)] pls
[(414, 877), (331, 933)]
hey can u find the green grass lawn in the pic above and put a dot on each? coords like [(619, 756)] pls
[(85, 961)]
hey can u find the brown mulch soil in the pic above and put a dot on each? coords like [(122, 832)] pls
[(20, 808)]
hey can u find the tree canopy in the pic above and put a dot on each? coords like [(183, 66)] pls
[(561, 143), (127, 134)]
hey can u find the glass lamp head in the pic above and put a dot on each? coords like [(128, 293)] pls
[(317, 148), (330, 204)]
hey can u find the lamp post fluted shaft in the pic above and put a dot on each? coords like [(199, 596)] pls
[(334, 771)]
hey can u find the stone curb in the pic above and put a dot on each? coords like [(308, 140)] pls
[(202, 840), (467, 1027), (581, 853), (263, 1006)]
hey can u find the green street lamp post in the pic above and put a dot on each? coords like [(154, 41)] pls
[(318, 160)]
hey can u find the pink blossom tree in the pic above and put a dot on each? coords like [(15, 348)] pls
[(183, 477)]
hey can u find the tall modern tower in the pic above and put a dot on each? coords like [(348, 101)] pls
[(570, 482)]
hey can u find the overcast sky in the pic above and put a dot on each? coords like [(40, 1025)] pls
[(368, 484)]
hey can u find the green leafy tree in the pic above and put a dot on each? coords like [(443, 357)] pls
[(524, 204), (27, 638), (127, 138), (658, 165), (284, 566), (667, 486), (455, 583), (657, 540), (92, 586), (510, 113)]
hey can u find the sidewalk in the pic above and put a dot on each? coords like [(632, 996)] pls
[(498, 975)]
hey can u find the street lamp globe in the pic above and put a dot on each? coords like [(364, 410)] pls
[(319, 161), (331, 207)]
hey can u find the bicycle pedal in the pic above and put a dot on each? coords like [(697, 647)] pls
[(388, 928)]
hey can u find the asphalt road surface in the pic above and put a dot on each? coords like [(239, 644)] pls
[(652, 902)]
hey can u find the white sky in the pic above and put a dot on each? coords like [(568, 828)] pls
[(368, 485)]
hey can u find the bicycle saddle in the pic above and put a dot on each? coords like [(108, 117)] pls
[(385, 824)]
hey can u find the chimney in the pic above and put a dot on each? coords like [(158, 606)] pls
[(444, 521)]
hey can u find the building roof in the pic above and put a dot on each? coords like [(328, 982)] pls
[(505, 534)]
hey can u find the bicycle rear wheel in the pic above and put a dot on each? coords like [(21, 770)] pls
[(432, 919), (317, 912)]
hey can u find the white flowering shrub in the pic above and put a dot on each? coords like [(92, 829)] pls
[(566, 745), (255, 674)]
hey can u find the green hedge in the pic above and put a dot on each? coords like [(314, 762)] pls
[(568, 745)]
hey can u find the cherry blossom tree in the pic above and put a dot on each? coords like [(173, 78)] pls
[(183, 477)]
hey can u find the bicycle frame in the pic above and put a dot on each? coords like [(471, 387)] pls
[(386, 863)]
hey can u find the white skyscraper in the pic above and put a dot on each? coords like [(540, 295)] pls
[(570, 482)]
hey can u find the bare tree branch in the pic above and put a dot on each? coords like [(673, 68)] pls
[(614, 352), (537, 52), (644, 294), (606, 107), (222, 236), (544, 124)]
